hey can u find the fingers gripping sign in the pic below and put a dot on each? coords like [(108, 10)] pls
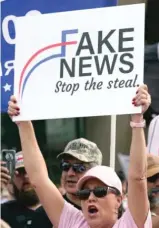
[(13, 108), (142, 98)]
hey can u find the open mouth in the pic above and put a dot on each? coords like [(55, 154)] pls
[(92, 209), (71, 182)]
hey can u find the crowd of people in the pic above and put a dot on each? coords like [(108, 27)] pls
[(91, 195)]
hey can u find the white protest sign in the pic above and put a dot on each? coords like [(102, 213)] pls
[(153, 137), (79, 63)]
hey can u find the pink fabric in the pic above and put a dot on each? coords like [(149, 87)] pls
[(73, 218)]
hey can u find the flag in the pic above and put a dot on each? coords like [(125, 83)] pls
[(10, 9)]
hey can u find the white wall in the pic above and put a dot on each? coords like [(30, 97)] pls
[(98, 131)]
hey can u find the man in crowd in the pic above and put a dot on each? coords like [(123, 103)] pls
[(153, 187), (20, 212), (152, 172), (154, 207), (79, 156)]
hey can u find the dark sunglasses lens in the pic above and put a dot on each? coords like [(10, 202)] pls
[(79, 168), (155, 190), (21, 171), (100, 192), (65, 166), (83, 194), (153, 178)]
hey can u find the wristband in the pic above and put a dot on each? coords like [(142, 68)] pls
[(138, 125)]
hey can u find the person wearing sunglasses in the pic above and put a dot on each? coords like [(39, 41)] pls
[(152, 171), (154, 206), (78, 156), (100, 188), (153, 187)]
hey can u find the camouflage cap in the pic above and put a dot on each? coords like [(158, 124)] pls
[(84, 150)]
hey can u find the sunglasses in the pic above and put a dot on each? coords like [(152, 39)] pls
[(155, 190), (99, 192), (77, 168), (153, 179), (21, 171)]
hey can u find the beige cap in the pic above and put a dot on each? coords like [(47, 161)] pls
[(152, 165)]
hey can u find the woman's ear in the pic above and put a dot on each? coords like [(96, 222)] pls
[(119, 200)]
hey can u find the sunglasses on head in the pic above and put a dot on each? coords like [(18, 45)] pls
[(99, 192), (77, 168), (153, 179)]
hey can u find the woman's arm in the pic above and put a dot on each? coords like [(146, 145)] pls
[(155, 221), (35, 166), (3, 224), (137, 183)]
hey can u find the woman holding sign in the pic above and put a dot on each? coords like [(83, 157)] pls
[(99, 189)]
